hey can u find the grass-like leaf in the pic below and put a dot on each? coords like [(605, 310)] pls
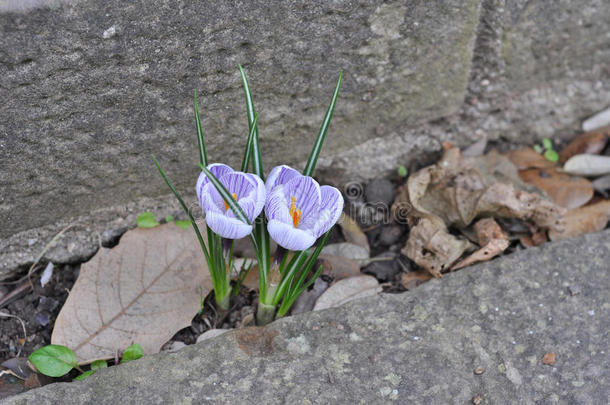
[(186, 210), (203, 156), (224, 193), (257, 162), (248, 152), (315, 152)]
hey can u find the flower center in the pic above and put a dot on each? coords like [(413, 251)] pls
[(227, 205), (295, 213)]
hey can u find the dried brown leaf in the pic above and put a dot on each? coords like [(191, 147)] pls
[(142, 291), (414, 278), (432, 247), (347, 290), (528, 158), (567, 191), (352, 232), (493, 248), (488, 229), (339, 267), (457, 190), (587, 219), (549, 359), (592, 142)]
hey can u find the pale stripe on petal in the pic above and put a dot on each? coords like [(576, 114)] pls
[(280, 175), (290, 237), (227, 227)]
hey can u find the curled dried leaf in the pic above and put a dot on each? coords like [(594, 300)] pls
[(587, 219), (567, 191), (592, 142)]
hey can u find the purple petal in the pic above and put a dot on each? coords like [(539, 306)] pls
[(217, 169), (280, 175), (276, 206), (308, 197), (289, 237), (227, 227), (261, 194), (330, 210)]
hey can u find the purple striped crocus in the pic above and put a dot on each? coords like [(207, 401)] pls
[(246, 188), (298, 209)]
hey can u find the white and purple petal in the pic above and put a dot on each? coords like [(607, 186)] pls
[(307, 193), (280, 175), (289, 237), (226, 226), (330, 210), (217, 169)]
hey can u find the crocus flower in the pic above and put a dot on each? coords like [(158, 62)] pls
[(247, 189), (298, 209)]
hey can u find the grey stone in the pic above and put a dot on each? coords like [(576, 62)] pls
[(379, 191), (390, 234), (421, 346)]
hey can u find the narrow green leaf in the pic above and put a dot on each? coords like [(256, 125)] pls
[(186, 210), (182, 224), (538, 148), (133, 352), (224, 193), (146, 220), (98, 364), (257, 162), (53, 360), (551, 155), (84, 375), (203, 156), (248, 152), (315, 152)]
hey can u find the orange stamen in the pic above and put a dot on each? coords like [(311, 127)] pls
[(295, 213), (227, 205)]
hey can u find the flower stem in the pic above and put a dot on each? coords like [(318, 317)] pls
[(264, 314), (223, 302)]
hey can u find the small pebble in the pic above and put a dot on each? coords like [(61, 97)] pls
[(479, 370), (477, 399), (574, 290)]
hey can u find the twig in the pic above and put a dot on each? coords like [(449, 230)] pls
[(15, 293), (25, 334)]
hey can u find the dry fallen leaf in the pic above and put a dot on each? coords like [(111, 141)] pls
[(142, 291), (352, 232), (347, 290), (567, 191), (492, 240), (528, 158), (414, 278), (592, 142), (432, 247), (339, 267), (587, 219), (457, 190)]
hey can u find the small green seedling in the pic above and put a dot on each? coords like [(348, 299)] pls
[(402, 171), (546, 149), (133, 352), (58, 360), (146, 220)]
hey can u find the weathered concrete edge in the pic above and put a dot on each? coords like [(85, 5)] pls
[(285, 331)]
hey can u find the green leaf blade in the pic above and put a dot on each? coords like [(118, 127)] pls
[(182, 224), (248, 152), (133, 352), (146, 220), (551, 155), (257, 162), (53, 360), (203, 156), (98, 364), (84, 375), (315, 152)]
